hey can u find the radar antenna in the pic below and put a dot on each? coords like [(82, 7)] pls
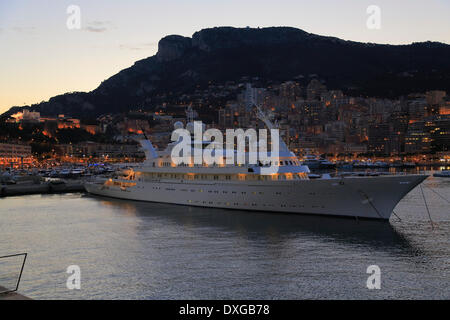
[(149, 150), (266, 118)]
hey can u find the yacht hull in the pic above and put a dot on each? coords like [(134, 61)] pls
[(363, 197)]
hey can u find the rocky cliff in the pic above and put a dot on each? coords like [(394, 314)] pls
[(217, 55)]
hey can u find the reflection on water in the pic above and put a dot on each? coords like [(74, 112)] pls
[(259, 226), (139, 250)]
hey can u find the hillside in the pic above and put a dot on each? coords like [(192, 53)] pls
[(217, 55)]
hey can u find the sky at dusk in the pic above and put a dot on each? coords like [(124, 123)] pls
[(40, 57)]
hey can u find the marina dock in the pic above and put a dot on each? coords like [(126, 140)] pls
[(42, 188)]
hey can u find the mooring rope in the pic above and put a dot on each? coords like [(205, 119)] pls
[(396, 215), (370, 202), (426, 205), (439, 195)]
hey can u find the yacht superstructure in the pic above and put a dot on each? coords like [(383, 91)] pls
[(245, 187)]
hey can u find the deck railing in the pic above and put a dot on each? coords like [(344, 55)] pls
[(11, 269)]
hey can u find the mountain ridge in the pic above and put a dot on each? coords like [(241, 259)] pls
[(221, 54)]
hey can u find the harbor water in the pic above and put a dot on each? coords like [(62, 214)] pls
[(138, 250)]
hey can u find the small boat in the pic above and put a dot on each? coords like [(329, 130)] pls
[(359, 164), (343, 165), (410, 164), (65, 173), (77, 172), (442, 174), (317, 163), (53, 174), (397, 164), (381, 164)]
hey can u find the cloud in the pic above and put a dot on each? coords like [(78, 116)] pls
[(99, 26), (24, 29), (95, 29), (138, 46)]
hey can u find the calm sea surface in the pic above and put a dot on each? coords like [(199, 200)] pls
[(136, 250)]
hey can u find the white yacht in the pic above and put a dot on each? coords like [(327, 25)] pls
[(244, 187)]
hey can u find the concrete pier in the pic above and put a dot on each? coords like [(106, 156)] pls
[(41, 188), (11, 295)]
